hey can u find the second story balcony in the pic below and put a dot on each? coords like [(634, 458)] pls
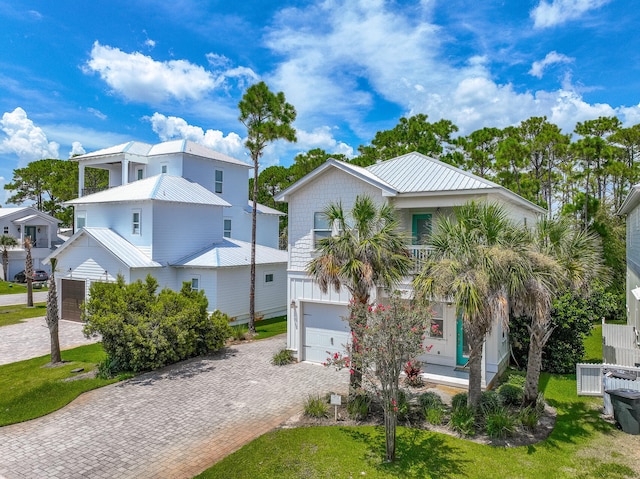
[(419, 254)]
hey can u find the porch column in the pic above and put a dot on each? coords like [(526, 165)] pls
[(80, 179), (125, 171), (484, 365)]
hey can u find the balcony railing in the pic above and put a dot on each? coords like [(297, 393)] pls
[(419, 254)]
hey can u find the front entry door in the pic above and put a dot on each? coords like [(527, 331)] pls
[(421, 228), (30, 231), (462, 345)]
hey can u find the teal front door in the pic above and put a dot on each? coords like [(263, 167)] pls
[(421, 228), (462, 346), (30, 231)]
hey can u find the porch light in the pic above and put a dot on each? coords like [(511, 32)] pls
[(293, 304)]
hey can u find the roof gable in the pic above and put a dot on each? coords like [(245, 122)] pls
[(163, 187), (230, 253), (23, 214)]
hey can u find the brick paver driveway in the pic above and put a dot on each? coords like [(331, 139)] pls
[(169, 424)]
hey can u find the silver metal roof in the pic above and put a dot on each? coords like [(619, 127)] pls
[(162, 187), (263, 209), (166, 148), (414, 173), (115, 244), (232, 252)]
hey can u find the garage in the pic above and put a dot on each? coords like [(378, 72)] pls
[(72, 298), (324, 330)]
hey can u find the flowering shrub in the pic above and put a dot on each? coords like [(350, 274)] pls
[(412, 370)]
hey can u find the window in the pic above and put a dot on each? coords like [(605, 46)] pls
[(268, 278), (139, 173), (227, 228), (321, 228), (218, 183), (195, 284), (164, 168), (437, 321), (135, 223), (6, 230), (81, 220)]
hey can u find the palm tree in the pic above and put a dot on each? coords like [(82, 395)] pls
[(28, 271), (52, 315), (6, 241), (562, 257), (475, 262), (368, 250)]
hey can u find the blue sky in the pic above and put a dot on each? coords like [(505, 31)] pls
[(76, 76)]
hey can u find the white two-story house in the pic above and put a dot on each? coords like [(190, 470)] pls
[(179, 212), (420, 188), (23, 222)]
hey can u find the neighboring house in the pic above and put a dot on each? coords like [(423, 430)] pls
[(631, 208), (23, 222), (179, 212), (420, 188)]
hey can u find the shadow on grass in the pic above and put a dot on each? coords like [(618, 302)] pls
[(418, 455)]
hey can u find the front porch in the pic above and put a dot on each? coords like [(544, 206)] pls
[(453, 376)]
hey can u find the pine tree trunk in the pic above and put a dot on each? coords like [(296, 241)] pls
[(252, 289)]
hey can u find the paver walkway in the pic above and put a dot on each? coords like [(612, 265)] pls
[(30, 338), (169, 424)]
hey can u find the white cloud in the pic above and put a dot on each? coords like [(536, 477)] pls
[(537, 68), (25, 139), (322, 138), (76, 149), (548, 14), (172, 127), (141, 78), (97, 113)]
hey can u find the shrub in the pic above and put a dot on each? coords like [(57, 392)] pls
[(540, 404), (517, 380), (358, 406), (459, 400), (316, 407), (108, 368), (403, 406), (282, 357), (500, 423), (528, 417), (463, 420), (430, 400), (489, 402), (510, 394), (413, 369), (239, 332), (435, 415), (142, 330)]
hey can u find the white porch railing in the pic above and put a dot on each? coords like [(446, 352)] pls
[(419, 253), (620, 345)]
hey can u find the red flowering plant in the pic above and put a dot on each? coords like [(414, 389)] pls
[(381, 346), (412, 371)]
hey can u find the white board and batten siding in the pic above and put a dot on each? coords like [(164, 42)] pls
[(233, 291)]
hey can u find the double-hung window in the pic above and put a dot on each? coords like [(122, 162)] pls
[(195, 284), (218, 182), (321, 227), (227, 228), (81, 220), (436, 330), (135, 222)]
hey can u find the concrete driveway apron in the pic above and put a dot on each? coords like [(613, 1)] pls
[(173, 423)]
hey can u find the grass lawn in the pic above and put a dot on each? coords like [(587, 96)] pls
[(271, 327), (593, 345), (15, 314), (7, 287), (30, 390), (581, 445)]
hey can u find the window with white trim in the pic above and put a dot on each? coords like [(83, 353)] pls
[(268, 278), (436, 330), (139, 173), (321, 227), (195, 284), (164, 168), (227, 228), (135, 222), (218, 181)]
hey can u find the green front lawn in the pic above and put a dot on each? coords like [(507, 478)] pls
[(29, 389), (271, 327), (7, 287), (581, 445), (15, 314)]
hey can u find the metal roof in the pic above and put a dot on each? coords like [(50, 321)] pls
[(414, 173), (10, 211), (166, 148), (163, 187), (263, 209), (34, 213), (631, 201), (115, 244), (229, 253)]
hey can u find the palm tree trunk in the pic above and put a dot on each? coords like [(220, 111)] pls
[(56, 357), (29, 292), (538, 337), (475, 372), (5, 263)]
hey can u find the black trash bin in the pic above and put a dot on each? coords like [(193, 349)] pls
[(626, 409)]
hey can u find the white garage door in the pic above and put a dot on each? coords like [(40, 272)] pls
[(325, 331)]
